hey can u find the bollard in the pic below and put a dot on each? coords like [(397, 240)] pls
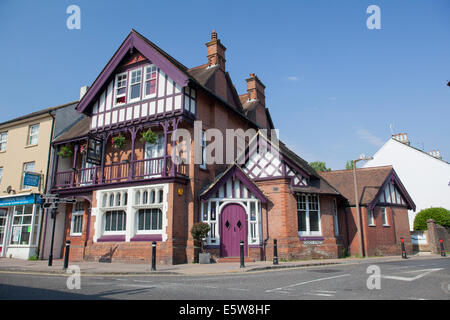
[(403, 248), (50, 257), (242, 254), (442, 247), (66, 254), (154, 256), (275, 252)]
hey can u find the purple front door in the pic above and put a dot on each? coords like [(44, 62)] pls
[(233, 229)]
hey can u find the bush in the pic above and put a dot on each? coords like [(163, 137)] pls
[(199, 231), (440, 215)]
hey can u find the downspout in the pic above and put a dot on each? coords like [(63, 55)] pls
[(267, 232), (45, 188)]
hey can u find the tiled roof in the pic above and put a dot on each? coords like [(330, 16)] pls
[(369, 181), (78, 130)]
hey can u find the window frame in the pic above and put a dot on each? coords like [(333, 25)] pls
[(160, 218), (1, 174), (30, 136), (76, 213), (371, 218), (3, 141), (384, 215), (130, 84), (22, 186), (114, 232), (115, 104), (308, 232), (203, 149), (145, 80), (35, 215)]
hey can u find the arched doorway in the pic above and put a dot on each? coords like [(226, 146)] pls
[(233, 230)]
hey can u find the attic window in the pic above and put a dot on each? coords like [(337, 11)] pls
[(121, 88), (150, 81)]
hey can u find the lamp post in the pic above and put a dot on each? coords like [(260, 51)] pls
[(358, 213)]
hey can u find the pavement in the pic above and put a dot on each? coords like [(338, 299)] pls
[(116, 268)]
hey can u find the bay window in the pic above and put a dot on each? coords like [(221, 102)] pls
[(308, 213), (115, 221), (150, 220)]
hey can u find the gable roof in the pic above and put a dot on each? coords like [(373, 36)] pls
[(370, 182), (233, 171)]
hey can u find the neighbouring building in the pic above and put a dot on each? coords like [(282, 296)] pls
[(384, 204), (118, 165), (24, 154), (429, 187)]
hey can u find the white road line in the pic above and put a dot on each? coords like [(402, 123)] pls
[(323, 291), (427, 271), (320, 294), (238, 289), (306, 282)]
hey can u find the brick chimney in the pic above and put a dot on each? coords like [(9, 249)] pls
[(255, 89), (216, 52)]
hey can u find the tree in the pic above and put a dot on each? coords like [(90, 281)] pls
[(349, 165), (319, 166), (440, 215), (199, 231)]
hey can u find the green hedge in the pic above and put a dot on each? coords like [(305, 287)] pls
[(440, 215)]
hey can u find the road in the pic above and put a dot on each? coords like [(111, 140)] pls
[(407, 279)]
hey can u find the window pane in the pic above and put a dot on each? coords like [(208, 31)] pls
[(159, 219), (147, 219), (301, 220), (154, 219), (135, 91), (25, 236), (141, 220), (314, 221)]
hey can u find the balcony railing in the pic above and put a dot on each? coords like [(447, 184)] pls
[(119, 172)]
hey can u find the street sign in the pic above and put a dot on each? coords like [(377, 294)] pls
[(31, 179)]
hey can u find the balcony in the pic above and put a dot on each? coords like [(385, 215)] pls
[(136, 170)]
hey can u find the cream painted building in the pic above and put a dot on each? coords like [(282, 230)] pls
[(24, 150)]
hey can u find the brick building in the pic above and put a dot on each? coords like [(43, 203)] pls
[(121, 166), (384, 204)]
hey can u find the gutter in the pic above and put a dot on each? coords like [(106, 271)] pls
[(42, 236)]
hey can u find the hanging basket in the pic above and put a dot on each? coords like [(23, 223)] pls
[(118, 142), (149, 136), (65, 152)]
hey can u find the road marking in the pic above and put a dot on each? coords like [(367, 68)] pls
[(320, 294), (306, 282), (238, 289), (323, 291), (427, 271)]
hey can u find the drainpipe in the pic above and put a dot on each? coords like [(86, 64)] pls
[(46, 186), (267, 233)]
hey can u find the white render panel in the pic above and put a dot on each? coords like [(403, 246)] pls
[(160, 105), (114, 116), (137, 110), (107, 118), (161, 83), (109, 96), (100, 120), (94, 122), (177, 88), (424, 177), (121, 115), (144, 112), (169, 104), (169, 86), (152, 108), (129, 113), (101, 107)]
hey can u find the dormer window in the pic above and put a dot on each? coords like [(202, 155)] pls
[(135, 85), (150, 81), (121, 89)]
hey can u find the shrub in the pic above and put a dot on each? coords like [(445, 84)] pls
[(440, 215), (199, 231)]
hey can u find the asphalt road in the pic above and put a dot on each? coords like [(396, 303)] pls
[(407, 279)]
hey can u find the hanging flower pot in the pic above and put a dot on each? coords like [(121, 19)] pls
[(83, 148), (65, 151), (119, 142), (149, 136)]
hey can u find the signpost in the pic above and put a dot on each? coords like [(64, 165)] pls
[(51, 203)]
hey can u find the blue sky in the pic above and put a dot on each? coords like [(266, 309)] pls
[(332, 85)]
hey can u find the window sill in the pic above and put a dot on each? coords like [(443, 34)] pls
[(31, 146), (311, 238), (386, 225), (147, 237), (111, 238), (372, 225)]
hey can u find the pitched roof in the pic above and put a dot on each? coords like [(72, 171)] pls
[(369, 181), (78, 130), (38, 113)]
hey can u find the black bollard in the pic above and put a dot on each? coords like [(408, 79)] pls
[(275, 252), (403, 248), (242, 254), (442, 247), (50, 257), (66, 254), (154, 256)]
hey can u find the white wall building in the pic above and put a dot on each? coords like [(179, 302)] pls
[(425, 175)]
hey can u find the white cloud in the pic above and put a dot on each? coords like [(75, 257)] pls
[(366, 135)]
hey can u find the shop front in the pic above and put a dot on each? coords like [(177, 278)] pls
[(19, 225)]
